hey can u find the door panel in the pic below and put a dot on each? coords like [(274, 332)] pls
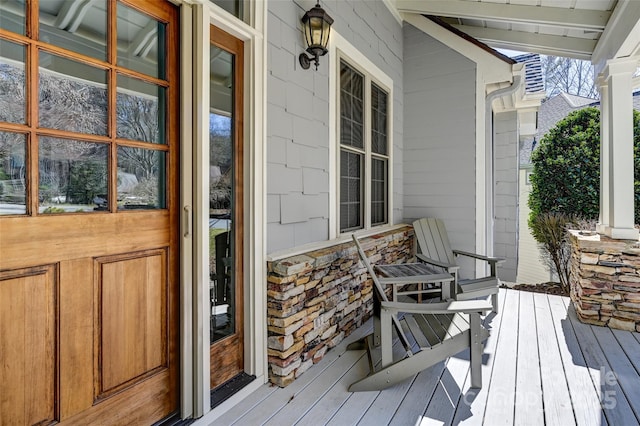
[(28, 323), (89, 214), (226, 206), (131, 338)]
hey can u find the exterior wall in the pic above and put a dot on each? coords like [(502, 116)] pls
[(505, 130), (297, 148), (605, 281), (439, 137), (531, 270), (316, 299)]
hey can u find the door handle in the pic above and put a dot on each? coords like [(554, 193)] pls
[(186, 221)]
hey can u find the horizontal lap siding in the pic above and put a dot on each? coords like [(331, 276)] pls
[(298, 163), (505, 193), (439, 136)]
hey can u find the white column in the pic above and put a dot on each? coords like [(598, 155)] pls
[(603, 221), (619, 120)]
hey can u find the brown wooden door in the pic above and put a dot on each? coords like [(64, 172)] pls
[(226, 201), (88, 212)]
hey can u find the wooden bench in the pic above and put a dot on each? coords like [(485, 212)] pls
[(438, 330)]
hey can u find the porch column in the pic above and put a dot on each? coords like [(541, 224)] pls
[(603, 220), (617, 121)]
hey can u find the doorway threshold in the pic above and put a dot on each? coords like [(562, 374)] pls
[(229, 388)]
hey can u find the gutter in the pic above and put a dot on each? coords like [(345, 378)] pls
[(489, 177)]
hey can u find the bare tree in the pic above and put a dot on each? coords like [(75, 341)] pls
[(568, 75)]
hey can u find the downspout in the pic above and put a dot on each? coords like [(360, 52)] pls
[(489, 177)]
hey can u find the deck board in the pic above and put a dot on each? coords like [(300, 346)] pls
[(584, 395), (538, 351), (528, 381), (501, 410)]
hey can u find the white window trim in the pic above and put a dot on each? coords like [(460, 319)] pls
[(341, 49), (197, 17)]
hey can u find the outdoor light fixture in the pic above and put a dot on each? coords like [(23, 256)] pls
[(316, 25)]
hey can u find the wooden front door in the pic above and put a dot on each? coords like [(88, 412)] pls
[(226, 201), (88, 212)]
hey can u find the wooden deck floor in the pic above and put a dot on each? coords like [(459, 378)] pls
[(541, 367)]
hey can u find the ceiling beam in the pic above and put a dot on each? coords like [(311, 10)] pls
[(621, 38), (585, 19), (578, 48)]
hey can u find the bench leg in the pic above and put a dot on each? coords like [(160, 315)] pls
[(476, 351)]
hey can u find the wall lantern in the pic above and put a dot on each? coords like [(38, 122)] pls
[(316, 25)]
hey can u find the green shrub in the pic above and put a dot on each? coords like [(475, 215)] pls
[(566, 168)]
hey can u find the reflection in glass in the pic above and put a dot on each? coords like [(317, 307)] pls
[(221, 195), (378, 191), (13, 191), (12, 15), (73, 176), (12, 82), (80, 26), (141, 179), (140, 110), (141, 42), (350, 190), (72, 96)]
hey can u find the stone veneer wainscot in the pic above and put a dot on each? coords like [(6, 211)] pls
[(605, 281), (316, 299)]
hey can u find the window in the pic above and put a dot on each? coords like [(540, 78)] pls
[(364, 150)]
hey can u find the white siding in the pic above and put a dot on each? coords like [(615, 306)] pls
[(505, 130), (297, 144), (439, 136), (530, 267)]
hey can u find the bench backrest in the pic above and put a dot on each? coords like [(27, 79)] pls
[(432, 239)]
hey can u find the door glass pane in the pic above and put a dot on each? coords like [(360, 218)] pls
[(73, 95), (12, 82), (13, 193), (73, 176), (80, 26), (141, 110), (141, 42), (12, 15), (221, 195), (141, 179)]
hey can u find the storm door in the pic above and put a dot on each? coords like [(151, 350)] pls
[(88, 212), (226, 206)]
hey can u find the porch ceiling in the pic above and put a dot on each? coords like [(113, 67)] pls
[(594, 30)]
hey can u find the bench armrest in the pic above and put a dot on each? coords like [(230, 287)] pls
[(451, 268), (479, 256), (452, 307)]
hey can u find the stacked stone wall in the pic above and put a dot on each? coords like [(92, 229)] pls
[(316, 299), (605, 281)]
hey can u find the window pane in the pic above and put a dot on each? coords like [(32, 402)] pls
[(141, 179), (80, 26), (351, 106), (12, 82), (378, 191), (12, 15), (73, 176), (378, 120), (140, 109), (73, 96), (13, 193), (350, 191), (234, 7), (141, 42)]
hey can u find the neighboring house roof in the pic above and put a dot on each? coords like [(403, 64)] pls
[(551, 111), (534, 81)]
